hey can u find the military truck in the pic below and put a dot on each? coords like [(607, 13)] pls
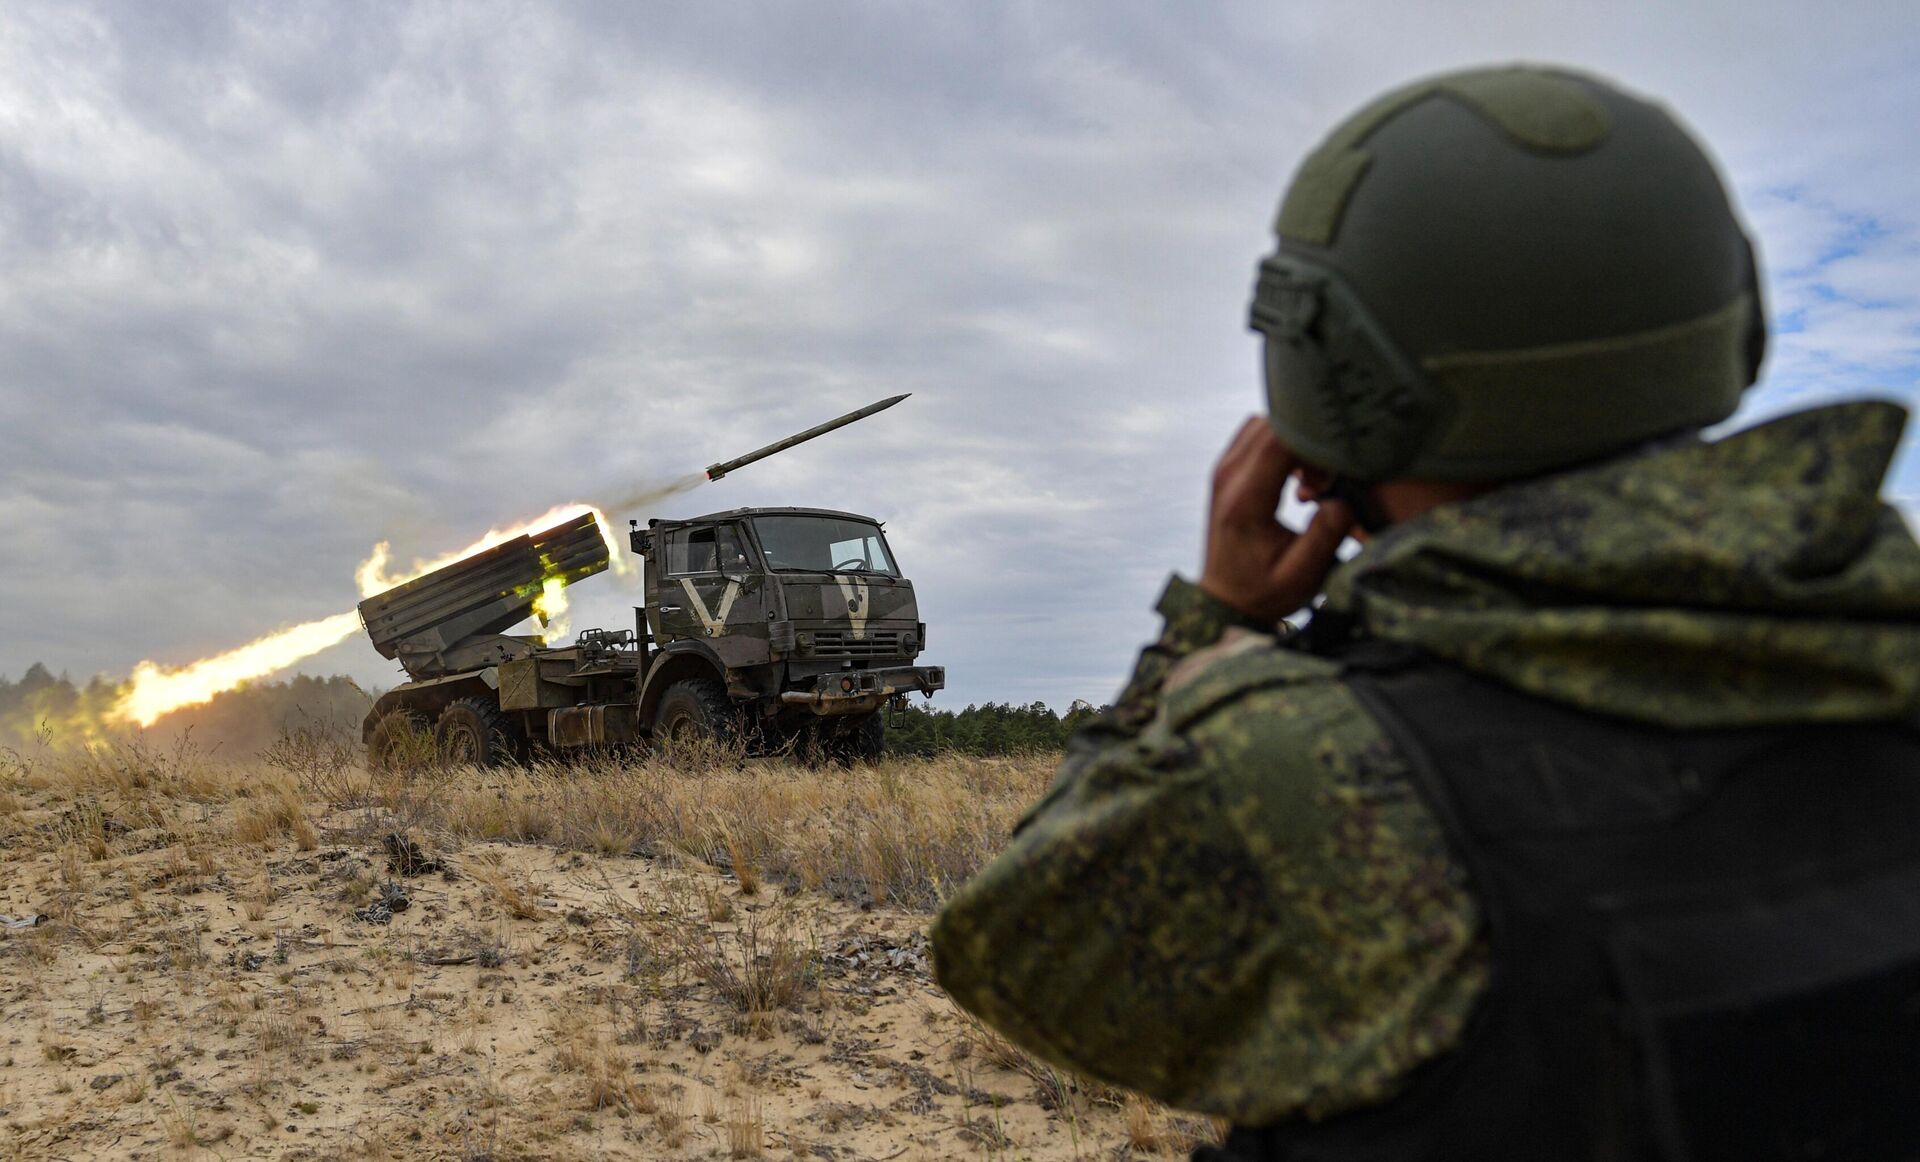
[(769, 627), (794, 623)]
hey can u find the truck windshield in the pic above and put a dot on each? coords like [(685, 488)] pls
[(823, 544)]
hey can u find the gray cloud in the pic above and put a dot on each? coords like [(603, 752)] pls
[(285, 280)]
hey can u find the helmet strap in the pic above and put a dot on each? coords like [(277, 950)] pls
[(1363, 500)]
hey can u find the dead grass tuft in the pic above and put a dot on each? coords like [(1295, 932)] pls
[(515, 893), (1154, 1129), (897, 832), (746, 1129), (281, 1031), (323, 761), (756, 962), (273, 811), (583, 1049), (182, 1125)]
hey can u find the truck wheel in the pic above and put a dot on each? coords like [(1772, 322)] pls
[(864, 741), (845, 741), (400, 740), (473, 732), (695, 711)]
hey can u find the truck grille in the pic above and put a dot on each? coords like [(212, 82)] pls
[(875, 643)]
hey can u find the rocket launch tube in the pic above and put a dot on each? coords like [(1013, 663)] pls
[(716, 471)]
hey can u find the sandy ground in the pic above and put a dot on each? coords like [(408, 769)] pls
[(187, 997)]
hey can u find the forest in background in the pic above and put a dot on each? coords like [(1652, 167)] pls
[(42, 709), (995, 728)]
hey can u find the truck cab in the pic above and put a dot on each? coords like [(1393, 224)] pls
[(797, 622)]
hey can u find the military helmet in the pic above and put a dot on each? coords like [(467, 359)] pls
[(1501, 272)]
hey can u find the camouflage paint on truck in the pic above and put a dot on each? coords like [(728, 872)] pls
[(761, 590)]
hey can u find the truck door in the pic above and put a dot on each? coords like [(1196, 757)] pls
[(714, 591)]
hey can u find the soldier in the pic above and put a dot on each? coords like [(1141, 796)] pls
[(1580, 820)]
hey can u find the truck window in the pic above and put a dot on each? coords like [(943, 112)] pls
[(730, 550), (691, 551), (819, 544), (715, 549)]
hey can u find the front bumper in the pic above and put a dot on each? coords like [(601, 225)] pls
[(863, 691)]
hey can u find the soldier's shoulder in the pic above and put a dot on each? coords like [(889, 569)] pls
[(1271, 719), (1303, 787), (1242, 665)]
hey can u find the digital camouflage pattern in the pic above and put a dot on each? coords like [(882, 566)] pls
[(1231, 898), (1754, 580)]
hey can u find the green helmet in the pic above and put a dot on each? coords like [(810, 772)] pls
[(1502, 272)]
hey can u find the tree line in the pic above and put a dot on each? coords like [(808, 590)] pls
[(42, 709), (995, 728)]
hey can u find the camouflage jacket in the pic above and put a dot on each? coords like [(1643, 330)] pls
[(1231, 898)]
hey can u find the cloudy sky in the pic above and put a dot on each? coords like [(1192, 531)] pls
[(278, 281)]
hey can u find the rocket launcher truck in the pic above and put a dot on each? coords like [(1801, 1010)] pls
[(765, 627)]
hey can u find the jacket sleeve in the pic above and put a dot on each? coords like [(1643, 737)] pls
[(1229, 899), (1193, 621)]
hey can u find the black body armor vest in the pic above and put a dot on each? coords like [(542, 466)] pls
[(1705, 944)]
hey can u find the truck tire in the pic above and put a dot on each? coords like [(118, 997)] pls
[(844, 741), (401, 739), (696, 711), (865, 741), (473, 732)]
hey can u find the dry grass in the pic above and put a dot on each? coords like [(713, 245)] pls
[(516, 894), (1154, 1129), (621, 959), (134, 771), (582, 1048), (325, 762), (274, 810), (746, 1130), (185, 1128), (1151, 1128), (758, 962), (896, 833)]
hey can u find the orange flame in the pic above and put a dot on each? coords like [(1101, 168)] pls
[(552, 606), (155, 691)]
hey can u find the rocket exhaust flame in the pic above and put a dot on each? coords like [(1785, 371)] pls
[(155, 691), (551, 607)]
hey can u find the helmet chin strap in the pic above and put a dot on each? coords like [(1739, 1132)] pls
[(1362, 499)]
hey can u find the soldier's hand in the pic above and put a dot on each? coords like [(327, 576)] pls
[(1254, 563)]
